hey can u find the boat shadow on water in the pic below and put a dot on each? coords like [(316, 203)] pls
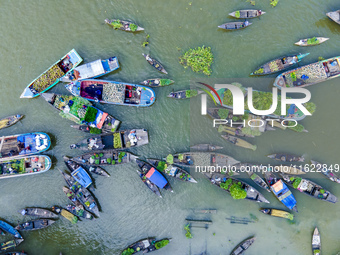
[(329, 24)]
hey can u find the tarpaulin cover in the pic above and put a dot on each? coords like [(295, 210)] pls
[(157, 178), (82, 177), (8, 228), (284, 194)]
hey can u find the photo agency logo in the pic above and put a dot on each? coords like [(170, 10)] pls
[(238, 107)]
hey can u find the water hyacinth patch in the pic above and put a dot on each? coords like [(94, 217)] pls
[(199, 59), (237, 14)]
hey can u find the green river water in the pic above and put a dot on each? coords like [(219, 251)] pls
[(34, 34)]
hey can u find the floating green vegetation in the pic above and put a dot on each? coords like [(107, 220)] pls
[(296, 182), (225, 185), (251, 132), (237, 14), (252, 2), (191, 93), (316, 251), (298, 128), (237, 192), (128, 251), (259, 71), (161, 244), (117, 142), (165, 82), (162, 165), (253, 176), (133, 27), (116, 24), (313, 41), (310, 106), (170, 159), (146, 41), (321, 59), (274, 2), (228, 96), (95, 130), (223, 113), (91, 114), (198, 59), (188, 232)]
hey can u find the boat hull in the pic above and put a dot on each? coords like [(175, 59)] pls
[(10, 120)]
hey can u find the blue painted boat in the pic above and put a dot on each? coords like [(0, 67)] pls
[(17, 146), (52, 75), (9, 229), (112, 92), (78, 172), (93, 69)]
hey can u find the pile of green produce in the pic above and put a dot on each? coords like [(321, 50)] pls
[(161, 244), (273, 66), (311, 41), (128, 251), (237, 192), (133, 27), (162, 165), (297, 181), (48, 78), (164, 82), (117, 142), (116, 24), (95, 130), (225, 185), (237, 14), (259, 71), (170, 159), (91, 114), (199, 59), (191, 93)]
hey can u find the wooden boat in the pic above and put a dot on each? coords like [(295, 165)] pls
[(235, 25), (239, 142), (105, 157), (281, 191), (157, 245), (123, 25), (93, 69), (279, 64), (258, 180), (10, 120), (72, 197), (112, 92), (309, 74), (185, 94), (10, 244), (74, 210), (138, 246), (316, 242), (205, 147), (23, 166), (311, 41), (171, 170), (286, 157), (158, 82), (78, 172), (149, 184), (98, 171), (9, 229), (335, 16), (66, 214), (244, 245), (156, 64), (52, 75), (38, 212), (226, 183), (277, 213), (76, 109), (309, 188), (326, 172), (246, 14), (35, 224), (153, 175), (17, 146), (117, 140)]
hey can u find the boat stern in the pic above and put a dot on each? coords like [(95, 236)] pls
[(148, 96), (48, 163), (280, 82), (74, 87)]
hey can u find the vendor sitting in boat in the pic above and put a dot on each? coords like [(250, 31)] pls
[(246, 23)]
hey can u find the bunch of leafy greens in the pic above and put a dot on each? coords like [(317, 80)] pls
[(237, 192), (198, 59), (161, 244)]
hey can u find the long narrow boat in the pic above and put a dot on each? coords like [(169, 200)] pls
[(246, 14), (124, 25), (78, 172), (277, 213), (10, 244), (279, 64), (239, 142), (235, 25), (311, 41), (17, 146), (205, 147), (154, 63), (38, 212), (9, 229), (153, 187), (228, 184), (118, 140), (112, 92), (98, 171), (153, 175), (81, 111), (281, 191), (326, 172), (35, 224), (335, 16), (10, 120), (316, 242), (80, 212), (72, 197), (158, 82), (52, 75), (185, 94), (93, 69), (309, 188), (138, 246), (105, 157), (286, 157), (258, 180), (171, 170), (244, 245), (309, 74), (66, 214), (24, 166)]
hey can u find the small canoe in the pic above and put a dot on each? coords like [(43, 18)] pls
[(239, 142), (258, 180), (277, 213), (9, 229), (326, 172), (93, 69), (80, 212), (39, 212), (138, 246), (335, 16), (279, 64), (309, 188), (78, 173), (311, 41), (171, 170), (185, 94), (35, 224), (244, 245), (316, 242), (98, 171), (286, 157), (66, 214), (205, 147), (149, 184), (156, 64), (235, 25), (123, 25), (10, 244), (246, 14), (10, 120), (158, 82)]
